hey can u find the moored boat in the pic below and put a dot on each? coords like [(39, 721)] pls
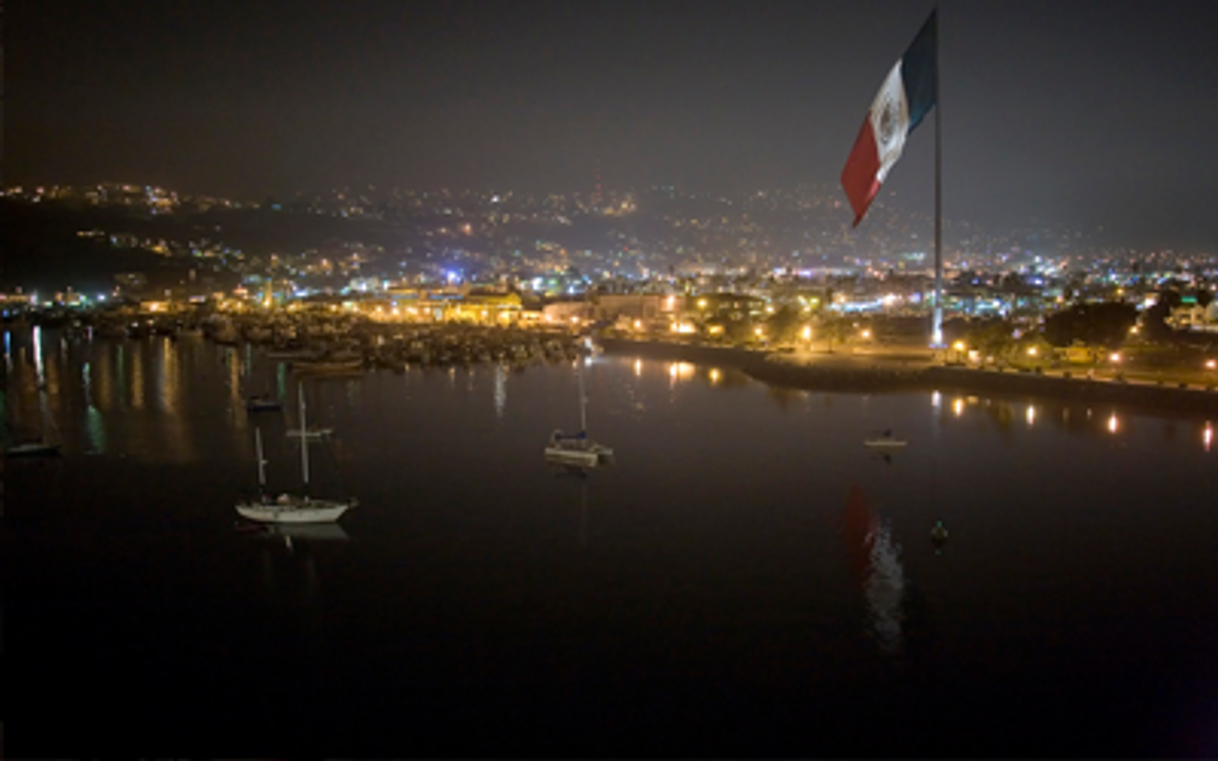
[(291, 508)]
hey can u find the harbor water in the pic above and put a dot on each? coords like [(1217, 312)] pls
[(744, 578)]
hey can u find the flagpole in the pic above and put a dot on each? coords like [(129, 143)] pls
[(937, 318)]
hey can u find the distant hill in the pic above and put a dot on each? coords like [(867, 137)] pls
[(42, 251)]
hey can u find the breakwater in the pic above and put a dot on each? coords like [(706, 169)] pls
[(860, 374)]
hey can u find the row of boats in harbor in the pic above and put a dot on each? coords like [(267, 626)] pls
[(342, 344)]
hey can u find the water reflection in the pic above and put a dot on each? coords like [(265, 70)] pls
[(137, 379), (583, 477), (877, 564), (784, 396), (679, 371), (500, 390), (316, 532), (179, 401), (38, 369), (95, 430)]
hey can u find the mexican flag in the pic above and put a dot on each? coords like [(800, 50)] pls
[(907, 95)]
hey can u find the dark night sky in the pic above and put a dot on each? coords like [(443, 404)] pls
[(1075, 112)]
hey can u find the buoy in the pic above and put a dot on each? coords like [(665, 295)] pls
[(938, 534)]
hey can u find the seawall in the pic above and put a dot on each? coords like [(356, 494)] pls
[(862, 375)]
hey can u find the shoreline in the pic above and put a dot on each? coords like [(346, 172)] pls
[(869, 374)]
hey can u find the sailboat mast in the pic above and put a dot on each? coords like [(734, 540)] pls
[(937, 318), (304, 440)]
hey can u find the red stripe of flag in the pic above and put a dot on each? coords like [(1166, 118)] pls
[(859, 177)]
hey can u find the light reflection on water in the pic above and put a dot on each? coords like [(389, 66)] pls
[(500, 390), (162, 383), (718, 516)]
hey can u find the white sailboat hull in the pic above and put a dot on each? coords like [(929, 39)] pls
[(584, 459), (884, 443), (580, 452), (294, 510)]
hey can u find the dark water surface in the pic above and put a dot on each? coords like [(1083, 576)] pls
[(717, 591)]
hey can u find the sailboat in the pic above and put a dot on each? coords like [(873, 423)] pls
[(291, 508), (883, 440), (43, 446), (578, 449)]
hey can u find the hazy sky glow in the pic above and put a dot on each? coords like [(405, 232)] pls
[(1082, 113)]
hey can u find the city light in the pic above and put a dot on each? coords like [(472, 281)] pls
[(1116, 357), (807, 333), (1032, 351), (1031, 415), (1113, 423)]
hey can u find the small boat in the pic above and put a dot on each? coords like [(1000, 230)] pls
[(578, 449), (326, 366), (291, 508), (263, 403), (295, 354), (312, 433), (884, 441), (33, 449)]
